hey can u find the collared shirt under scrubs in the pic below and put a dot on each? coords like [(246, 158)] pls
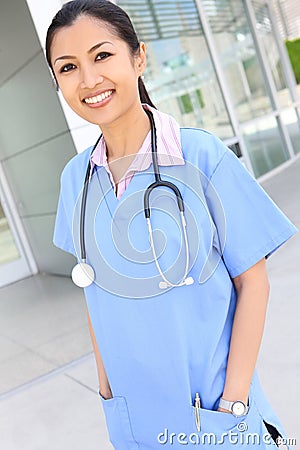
[(161, 347)]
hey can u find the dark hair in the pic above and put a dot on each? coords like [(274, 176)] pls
[(105, 11)]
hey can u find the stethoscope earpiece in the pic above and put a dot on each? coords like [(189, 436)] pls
[(163, 285), (186, 282)]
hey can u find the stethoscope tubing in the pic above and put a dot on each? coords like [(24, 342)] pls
[(83, 274), (83, 206), (158, 181)]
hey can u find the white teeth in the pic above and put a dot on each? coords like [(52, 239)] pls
[(99, 98)]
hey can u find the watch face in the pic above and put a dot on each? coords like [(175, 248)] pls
[(239, 409)]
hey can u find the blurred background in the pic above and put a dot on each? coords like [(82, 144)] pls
[(229, 66)]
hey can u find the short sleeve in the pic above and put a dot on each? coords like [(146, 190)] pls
[(254, 226), (62, 237)]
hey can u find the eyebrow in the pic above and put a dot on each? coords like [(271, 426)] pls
[(91, 50)]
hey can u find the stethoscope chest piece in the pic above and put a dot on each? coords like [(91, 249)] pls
[(83, 275)]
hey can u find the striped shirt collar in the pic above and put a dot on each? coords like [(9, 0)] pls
[(168, 146)]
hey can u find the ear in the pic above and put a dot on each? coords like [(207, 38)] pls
[(141, 59)]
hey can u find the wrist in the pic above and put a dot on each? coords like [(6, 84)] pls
[(233, 395), (223, 410), (234, 398)]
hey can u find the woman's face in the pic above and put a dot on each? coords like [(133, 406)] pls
[(96, 72)]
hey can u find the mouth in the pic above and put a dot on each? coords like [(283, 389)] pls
[(98, 99)]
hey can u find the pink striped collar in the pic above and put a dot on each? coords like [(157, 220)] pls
[(168, 146)]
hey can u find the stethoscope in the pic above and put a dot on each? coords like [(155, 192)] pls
[(83, 274)]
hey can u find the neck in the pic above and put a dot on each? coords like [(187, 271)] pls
[(127, 134)]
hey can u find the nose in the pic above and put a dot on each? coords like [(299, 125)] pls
[(90, 77)]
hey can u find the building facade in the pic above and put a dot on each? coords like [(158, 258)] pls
[(221, 65)]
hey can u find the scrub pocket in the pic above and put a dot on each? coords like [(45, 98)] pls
[(118, 423), (217, 423), (234, 432)]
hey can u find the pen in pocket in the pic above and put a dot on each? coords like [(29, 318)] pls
[(197, 411)]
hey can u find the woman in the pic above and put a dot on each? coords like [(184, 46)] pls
[(176, 336)]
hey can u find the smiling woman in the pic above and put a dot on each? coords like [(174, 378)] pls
[(109, 57), (173, 355), (93, 75)]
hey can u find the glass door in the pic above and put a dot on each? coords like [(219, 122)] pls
[(180, 75), (14, 264)]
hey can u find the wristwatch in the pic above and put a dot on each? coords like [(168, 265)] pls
[(237, 408)]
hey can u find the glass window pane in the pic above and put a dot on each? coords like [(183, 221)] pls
[(9, 251), (264, 145), (237, 53), (291, 122), (266, 37), (288, 21), (180, 76), (293, 49)]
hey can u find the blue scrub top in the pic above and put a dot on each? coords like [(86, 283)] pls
[(161, 347)]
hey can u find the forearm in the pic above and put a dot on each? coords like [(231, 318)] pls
[(104, 386), (247, 331)]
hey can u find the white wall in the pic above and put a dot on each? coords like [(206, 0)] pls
[(35, 142), (83, 133)]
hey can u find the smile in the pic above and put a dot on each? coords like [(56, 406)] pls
[(98, 99)]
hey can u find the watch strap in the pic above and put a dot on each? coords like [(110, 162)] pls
[(226, 404)]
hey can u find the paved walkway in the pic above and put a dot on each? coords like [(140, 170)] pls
[(48, 378)]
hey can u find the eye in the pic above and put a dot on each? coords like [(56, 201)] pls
[(67, 68), (102, 55)]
